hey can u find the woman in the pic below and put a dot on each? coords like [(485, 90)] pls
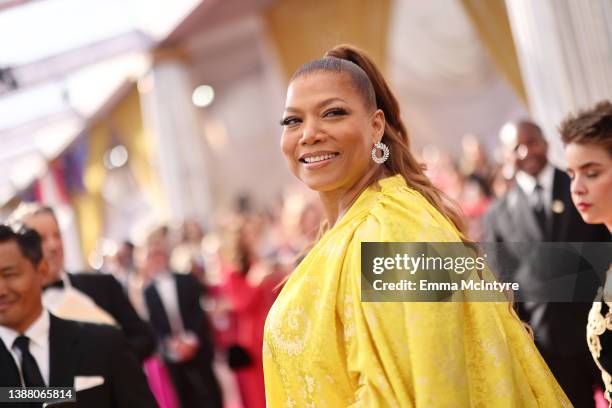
[(322, 345), (250, 285), (588, 148)]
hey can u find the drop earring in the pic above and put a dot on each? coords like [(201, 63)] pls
[(385, 153)]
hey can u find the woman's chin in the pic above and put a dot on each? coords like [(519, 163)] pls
[(318, 184), (590, 218)]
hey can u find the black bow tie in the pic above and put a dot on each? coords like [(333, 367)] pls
[(59, 284)]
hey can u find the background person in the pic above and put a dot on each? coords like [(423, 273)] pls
[(587, 136), (38, 349), (174, 309), (538, 208), (91, 297)]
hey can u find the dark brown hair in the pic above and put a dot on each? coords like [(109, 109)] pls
[(27, 239), (371, 85), (589, 126)]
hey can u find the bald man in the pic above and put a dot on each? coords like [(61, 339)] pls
[(538, 208)]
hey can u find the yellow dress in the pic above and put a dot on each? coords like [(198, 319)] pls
[(323, 347)]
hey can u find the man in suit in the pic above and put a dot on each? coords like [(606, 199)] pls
[(91, 297), (538, 208), (38, 349), (173, 302)]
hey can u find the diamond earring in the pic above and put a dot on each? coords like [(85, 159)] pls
[(385, 153)]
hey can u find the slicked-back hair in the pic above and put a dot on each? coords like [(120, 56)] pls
[(358, 77)]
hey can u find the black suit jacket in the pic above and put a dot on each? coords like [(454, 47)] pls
[(559, 327), (511, 218), (189, 292), (84, 349), (107, 293)]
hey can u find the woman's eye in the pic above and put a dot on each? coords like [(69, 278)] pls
[(592, 174), (291, 120), (334, 112)]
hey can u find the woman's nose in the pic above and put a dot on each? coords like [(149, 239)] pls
[(578, 187), (311, 133)]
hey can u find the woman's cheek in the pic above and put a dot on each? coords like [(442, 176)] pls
[(288, 146)]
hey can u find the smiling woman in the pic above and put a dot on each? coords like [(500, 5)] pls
[(344, 138)]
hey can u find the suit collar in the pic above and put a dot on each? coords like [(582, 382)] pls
[(37, 332), (527, 183), (63, 336), (157, 310), (9, 374)]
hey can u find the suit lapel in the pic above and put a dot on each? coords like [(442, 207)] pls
[(183, 297), (560, 203), (63, 358), (522, 216), (157, 309), (9, 374)]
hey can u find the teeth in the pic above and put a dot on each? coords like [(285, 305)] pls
[(315, 159)]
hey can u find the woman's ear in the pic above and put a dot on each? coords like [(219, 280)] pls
[(378, 125)]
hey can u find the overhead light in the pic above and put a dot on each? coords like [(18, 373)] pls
[(203, 96), (96, 260), (115, 157), (507, 135)]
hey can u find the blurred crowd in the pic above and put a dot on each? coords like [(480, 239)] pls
[(206, 292), (240, 265)]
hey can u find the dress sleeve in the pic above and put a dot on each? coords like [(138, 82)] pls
[(400, 354)]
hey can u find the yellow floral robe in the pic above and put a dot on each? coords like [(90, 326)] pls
[(323, 347)]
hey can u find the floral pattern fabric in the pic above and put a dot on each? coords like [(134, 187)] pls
[(323, 347)]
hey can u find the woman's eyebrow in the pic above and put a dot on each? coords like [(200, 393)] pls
[(318, 105), (588, 164)]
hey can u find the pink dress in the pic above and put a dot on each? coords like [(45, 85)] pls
[(160, 383), (250, 305)]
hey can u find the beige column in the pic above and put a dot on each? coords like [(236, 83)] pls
[(180, 150)]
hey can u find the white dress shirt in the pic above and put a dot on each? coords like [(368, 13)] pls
[(72, 304), (54, 296), (168, 293), (545, 179), (38, 333)]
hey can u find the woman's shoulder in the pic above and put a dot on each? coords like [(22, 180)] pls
[(401, 214)]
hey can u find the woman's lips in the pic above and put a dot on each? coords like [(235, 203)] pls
[(583, 206)]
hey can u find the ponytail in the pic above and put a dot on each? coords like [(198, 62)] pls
[(401, 160)]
